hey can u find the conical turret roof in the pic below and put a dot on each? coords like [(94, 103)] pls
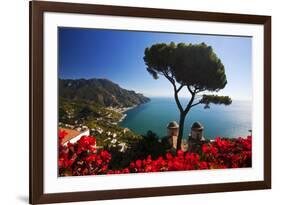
[(197, 126), (173, 124)]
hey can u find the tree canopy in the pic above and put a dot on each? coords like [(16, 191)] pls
[(194, 65)]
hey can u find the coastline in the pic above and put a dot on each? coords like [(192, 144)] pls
[(125, 109), (122, 112), (122, 118)]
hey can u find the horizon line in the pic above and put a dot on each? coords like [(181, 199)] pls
[(165, 96)]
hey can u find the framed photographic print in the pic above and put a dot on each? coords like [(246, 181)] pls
[(138, 102)]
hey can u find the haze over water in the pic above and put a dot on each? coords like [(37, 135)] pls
[(225, 121)]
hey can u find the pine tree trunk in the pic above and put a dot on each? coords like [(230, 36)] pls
[(181, 129)]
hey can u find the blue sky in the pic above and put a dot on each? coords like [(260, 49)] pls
[(118, 56)]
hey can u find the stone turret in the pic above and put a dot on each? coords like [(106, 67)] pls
[(173, 129), (196, 137), (197, 131), (172, 133)]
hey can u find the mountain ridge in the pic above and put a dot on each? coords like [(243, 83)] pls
[(100, 90)]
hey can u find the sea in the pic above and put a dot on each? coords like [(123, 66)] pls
[(230, 121)]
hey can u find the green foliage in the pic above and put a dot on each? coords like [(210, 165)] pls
[(215, 99), (194, 65), (159, 59), (81, 111), (139, 149)]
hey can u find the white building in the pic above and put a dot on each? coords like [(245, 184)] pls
[(74, 135)]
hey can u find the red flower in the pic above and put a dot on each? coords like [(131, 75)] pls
[(138, 163), (61, 163), (126, 170), (62, 134), (203, 165), (169, 156), (105, 155), (91, 158), (132, 165), (87, 143)]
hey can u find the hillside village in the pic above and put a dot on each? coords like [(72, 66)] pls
[(98, 105), (92, 119), (75, 132)]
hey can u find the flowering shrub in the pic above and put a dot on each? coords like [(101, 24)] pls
[(82, 158), (220, 154), (183, 161), (232, 153)]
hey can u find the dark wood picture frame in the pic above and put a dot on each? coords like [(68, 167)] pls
[(37, 10)]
